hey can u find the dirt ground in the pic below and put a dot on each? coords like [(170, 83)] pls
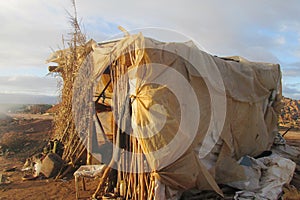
[(20, 138), (293, 138), (24, 135)]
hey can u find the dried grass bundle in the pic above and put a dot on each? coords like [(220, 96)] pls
[(70, 60)]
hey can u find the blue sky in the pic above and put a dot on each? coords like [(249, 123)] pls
[(259, 30)]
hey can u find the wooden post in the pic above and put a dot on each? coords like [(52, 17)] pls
[(90, 133)]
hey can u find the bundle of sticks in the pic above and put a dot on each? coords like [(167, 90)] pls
[(125, 174)]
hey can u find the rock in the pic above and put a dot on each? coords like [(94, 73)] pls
[(51, 165)]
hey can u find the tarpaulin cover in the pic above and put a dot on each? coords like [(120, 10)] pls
[(185, 100)]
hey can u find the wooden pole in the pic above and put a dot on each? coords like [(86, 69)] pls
[(90, 134)]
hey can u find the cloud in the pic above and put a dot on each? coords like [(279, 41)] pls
[(28, 85), (237, 28), (25, 99), (217, 27), (291, 90), (291, 70), (297, 52), (30, 28), (259, 54), (280, 40)]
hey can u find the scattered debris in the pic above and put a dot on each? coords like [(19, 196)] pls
[(51, 165), (279, 140), (11, 169), (274, 171), (4, 179), (29, 177)]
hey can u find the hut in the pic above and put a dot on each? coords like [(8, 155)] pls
[(164, 117)]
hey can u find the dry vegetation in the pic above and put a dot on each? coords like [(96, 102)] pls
[(290, 114), (64, 127)]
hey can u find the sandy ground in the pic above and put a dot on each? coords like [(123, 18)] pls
[(28, 134)]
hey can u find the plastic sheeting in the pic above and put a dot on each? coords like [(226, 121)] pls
[(275, 172)]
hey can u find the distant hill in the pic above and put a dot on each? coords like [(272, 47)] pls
[(289, 117), (25, 108), (290, 113)]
